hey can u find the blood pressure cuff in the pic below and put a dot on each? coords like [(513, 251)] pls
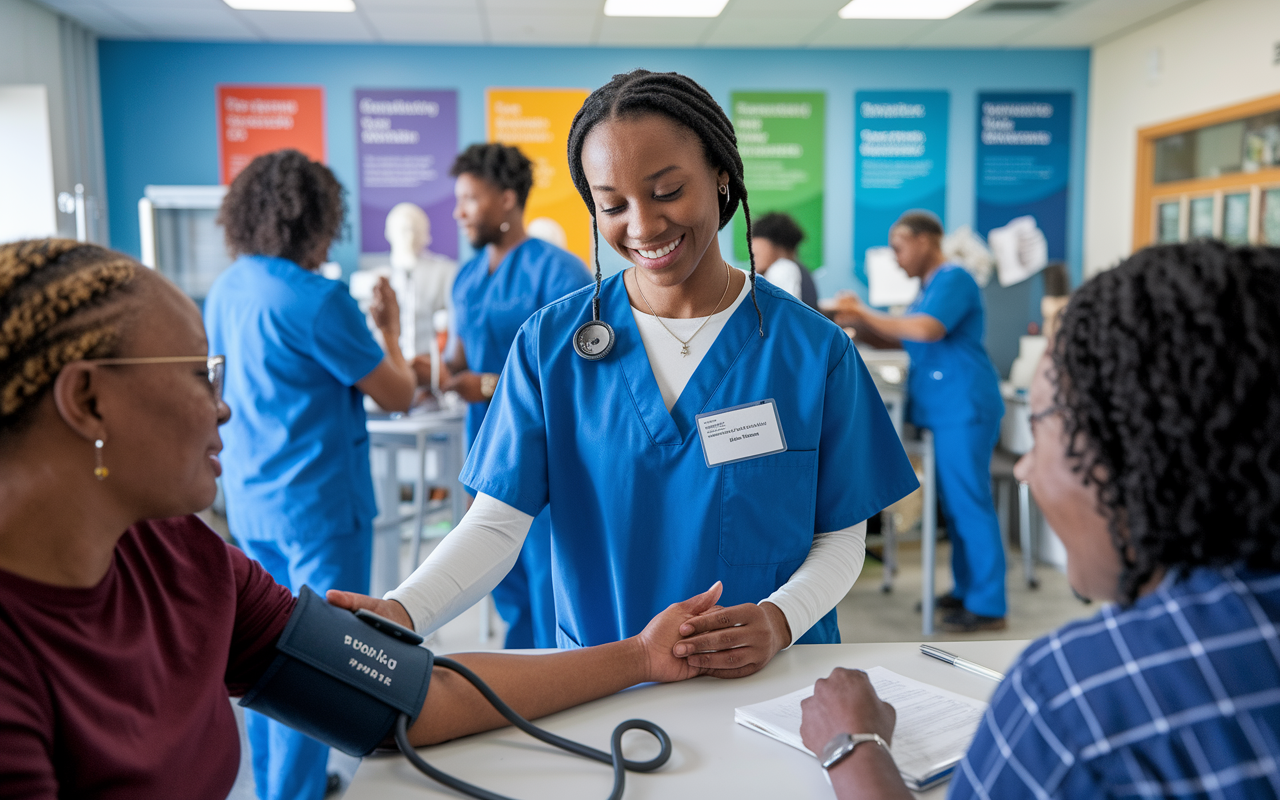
[(340, 680)]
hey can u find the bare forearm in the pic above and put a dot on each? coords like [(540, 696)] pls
[(868, 773), (532, 685), (910, 328)]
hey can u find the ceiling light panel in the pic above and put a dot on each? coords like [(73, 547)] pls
[(904, 9), (664, 8), (292, 5)]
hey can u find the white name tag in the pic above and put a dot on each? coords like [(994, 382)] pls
[(741, 432)]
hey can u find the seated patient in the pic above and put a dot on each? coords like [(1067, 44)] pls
[(1156, 417), (124, 621)]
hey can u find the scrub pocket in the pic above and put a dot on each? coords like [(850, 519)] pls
[(766, 508)]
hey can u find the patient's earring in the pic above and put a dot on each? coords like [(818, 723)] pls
[(99, 471), (504, 227)]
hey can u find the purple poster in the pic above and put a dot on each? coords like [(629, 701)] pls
[(406, 140)]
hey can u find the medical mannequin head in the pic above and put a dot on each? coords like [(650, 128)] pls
[(491, 187), (775, 235), (656, 160), (1154, 416), (408, 231), (284, 205), (916, 239)]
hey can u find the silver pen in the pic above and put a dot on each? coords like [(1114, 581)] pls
[(963, 663)]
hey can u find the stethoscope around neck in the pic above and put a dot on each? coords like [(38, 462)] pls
[(594, 339)]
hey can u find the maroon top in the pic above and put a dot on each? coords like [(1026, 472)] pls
[(120, 691)]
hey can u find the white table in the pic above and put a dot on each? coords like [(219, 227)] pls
[(713, 756), (442, 431)]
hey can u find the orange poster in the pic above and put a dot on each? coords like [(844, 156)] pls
[(253, 120), (537, 121)]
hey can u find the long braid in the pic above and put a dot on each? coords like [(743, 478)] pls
[(683, 100), (595, 251), (54, 309)]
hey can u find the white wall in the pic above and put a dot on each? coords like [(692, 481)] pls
[(27, 208), (1215, 53)]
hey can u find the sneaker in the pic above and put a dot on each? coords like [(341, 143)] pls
[(943, 602), (965, 621), (333, 785)]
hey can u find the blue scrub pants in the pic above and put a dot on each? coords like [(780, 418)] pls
[(288, 765), (963, 461), (525, 599)]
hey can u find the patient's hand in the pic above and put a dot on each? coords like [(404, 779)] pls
[(844, 702), (383, 608), (663, 631)]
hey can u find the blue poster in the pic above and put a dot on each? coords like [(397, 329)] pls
[(1024, 153), (900, 163)]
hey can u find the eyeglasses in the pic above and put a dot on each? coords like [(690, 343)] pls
[(216, 364), (1039, 415)]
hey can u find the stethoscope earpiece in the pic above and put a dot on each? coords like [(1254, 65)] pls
[(593, 340)]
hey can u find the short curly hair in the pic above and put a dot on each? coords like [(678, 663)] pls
[(779, 228), (502, 165), (1167, 373), (285, 205)]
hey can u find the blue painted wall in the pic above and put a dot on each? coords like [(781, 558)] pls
[(159, 121)]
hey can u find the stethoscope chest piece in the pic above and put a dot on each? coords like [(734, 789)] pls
[(593, 340)]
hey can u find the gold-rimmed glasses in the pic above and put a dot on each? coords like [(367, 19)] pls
[(216, 365)]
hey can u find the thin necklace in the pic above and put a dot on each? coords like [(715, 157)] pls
[(684, 343)]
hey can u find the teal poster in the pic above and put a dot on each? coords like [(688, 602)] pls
[(900, 163)]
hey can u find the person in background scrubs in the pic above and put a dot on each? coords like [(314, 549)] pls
[(510, 277), (650, 457), (953, 390), (300, 358), (775, 238)]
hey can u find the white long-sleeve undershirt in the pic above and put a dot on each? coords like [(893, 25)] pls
[(479, 553)]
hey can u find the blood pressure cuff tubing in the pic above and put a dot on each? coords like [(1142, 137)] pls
[(340, 680)]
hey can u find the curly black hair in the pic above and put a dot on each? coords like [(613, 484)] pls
[(1168, 377), (779, 228), (283, 204), (684, 101), (502, 165)]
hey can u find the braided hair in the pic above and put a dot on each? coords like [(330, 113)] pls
[(1168, 378), (56, 306), (284, 205), (682, 100)]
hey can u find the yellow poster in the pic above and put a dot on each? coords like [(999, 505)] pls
[(537, 121)]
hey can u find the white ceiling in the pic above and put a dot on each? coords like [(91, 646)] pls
[(744, 23)]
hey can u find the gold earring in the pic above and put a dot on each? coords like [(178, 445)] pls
[(99, 471)]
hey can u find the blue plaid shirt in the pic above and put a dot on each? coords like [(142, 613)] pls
[(1176, 696)]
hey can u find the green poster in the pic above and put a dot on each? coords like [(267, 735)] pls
[(781, 136)]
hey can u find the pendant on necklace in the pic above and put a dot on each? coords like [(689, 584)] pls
[(684, 350)]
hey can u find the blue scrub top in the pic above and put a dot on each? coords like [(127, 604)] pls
[(491, 307), (295, 452), (952, 380), (638, 520)]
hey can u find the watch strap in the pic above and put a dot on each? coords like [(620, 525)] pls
[(842, 744)]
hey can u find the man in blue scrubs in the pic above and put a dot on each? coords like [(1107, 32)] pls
[(300, 359), (510, 278), (954, 391)]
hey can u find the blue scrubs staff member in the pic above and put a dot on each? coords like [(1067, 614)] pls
[(511, 277), (954, 391), (296, 457), (731, 433)]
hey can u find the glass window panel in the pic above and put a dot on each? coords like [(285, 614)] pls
[(1235, 218), (1170, 218), (1202, 218), (1262, 142), (1175, 158), (1243, 145), (1219, 149), (1271, 217)]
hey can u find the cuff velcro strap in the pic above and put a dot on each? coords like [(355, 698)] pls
[(340, 680)]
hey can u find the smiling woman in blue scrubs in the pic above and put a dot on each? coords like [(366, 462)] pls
[(730, 433), (299, 361), (954, 391)]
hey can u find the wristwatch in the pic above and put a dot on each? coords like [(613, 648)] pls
[(842, 744), (488, 383)]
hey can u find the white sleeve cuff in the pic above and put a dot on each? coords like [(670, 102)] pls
[(465, 566), (826, 576)]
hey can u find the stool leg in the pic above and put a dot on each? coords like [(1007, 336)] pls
[(890, 535), (1025, 535)]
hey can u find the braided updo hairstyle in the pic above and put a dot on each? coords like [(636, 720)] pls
[(56, 306), (678, 98), (1168, 380), (284, 205)]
